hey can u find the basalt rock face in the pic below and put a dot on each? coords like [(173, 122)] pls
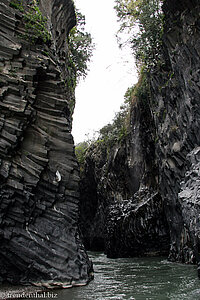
[(176, 107), (137, 227), (188, 198), (160, 155), (39, 238), (121, 208)]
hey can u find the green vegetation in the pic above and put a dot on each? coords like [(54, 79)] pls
[(35, 22), (110, 134), (80, 46), (45, 53), (142, 88), (17, 4), (143, 19), (80, 151), (13, 72), (167, 83), (80, 51), (117, 131), (36, 25)]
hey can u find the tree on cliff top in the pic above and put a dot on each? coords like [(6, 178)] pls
[(80, 46), (143, 19)]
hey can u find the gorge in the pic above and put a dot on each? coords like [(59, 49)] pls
[(138, 193), (140, 189)]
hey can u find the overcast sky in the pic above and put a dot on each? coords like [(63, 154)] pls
[(112, 71)]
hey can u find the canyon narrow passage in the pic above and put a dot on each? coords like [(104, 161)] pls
[(122, 208)]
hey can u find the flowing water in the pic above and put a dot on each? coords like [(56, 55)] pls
[(137, 278)]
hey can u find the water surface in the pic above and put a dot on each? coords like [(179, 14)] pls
[(137, 278)]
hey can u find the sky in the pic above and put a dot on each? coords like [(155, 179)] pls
[(112, 71)]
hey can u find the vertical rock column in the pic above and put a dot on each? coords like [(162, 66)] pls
[(39, 239), (176, 91)]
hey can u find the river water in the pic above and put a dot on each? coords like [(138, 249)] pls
[(137, 278)]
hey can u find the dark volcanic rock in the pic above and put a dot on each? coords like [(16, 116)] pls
[(39, 239), (189, 201), (118, 214), (176, 109), (160, 154), (137, 227)]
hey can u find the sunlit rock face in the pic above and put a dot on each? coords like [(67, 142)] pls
[(39, 238), (160, 155)]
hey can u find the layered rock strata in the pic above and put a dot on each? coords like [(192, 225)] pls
[(39, 238)]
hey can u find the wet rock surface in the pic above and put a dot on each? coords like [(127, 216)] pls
[(39, 237)]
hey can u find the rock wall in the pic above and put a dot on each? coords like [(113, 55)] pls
[(137, 227), (160, 155), (122, 211), (175, 105), (39, 194)]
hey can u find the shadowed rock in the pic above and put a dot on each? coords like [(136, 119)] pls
[(160, 154), (39, 238)]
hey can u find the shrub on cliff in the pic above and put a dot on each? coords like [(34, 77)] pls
[(35, 23), (116, 131), (144, 21), (80, 151), (80, 46)]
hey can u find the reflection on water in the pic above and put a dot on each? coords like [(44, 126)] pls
[(137, 278)]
